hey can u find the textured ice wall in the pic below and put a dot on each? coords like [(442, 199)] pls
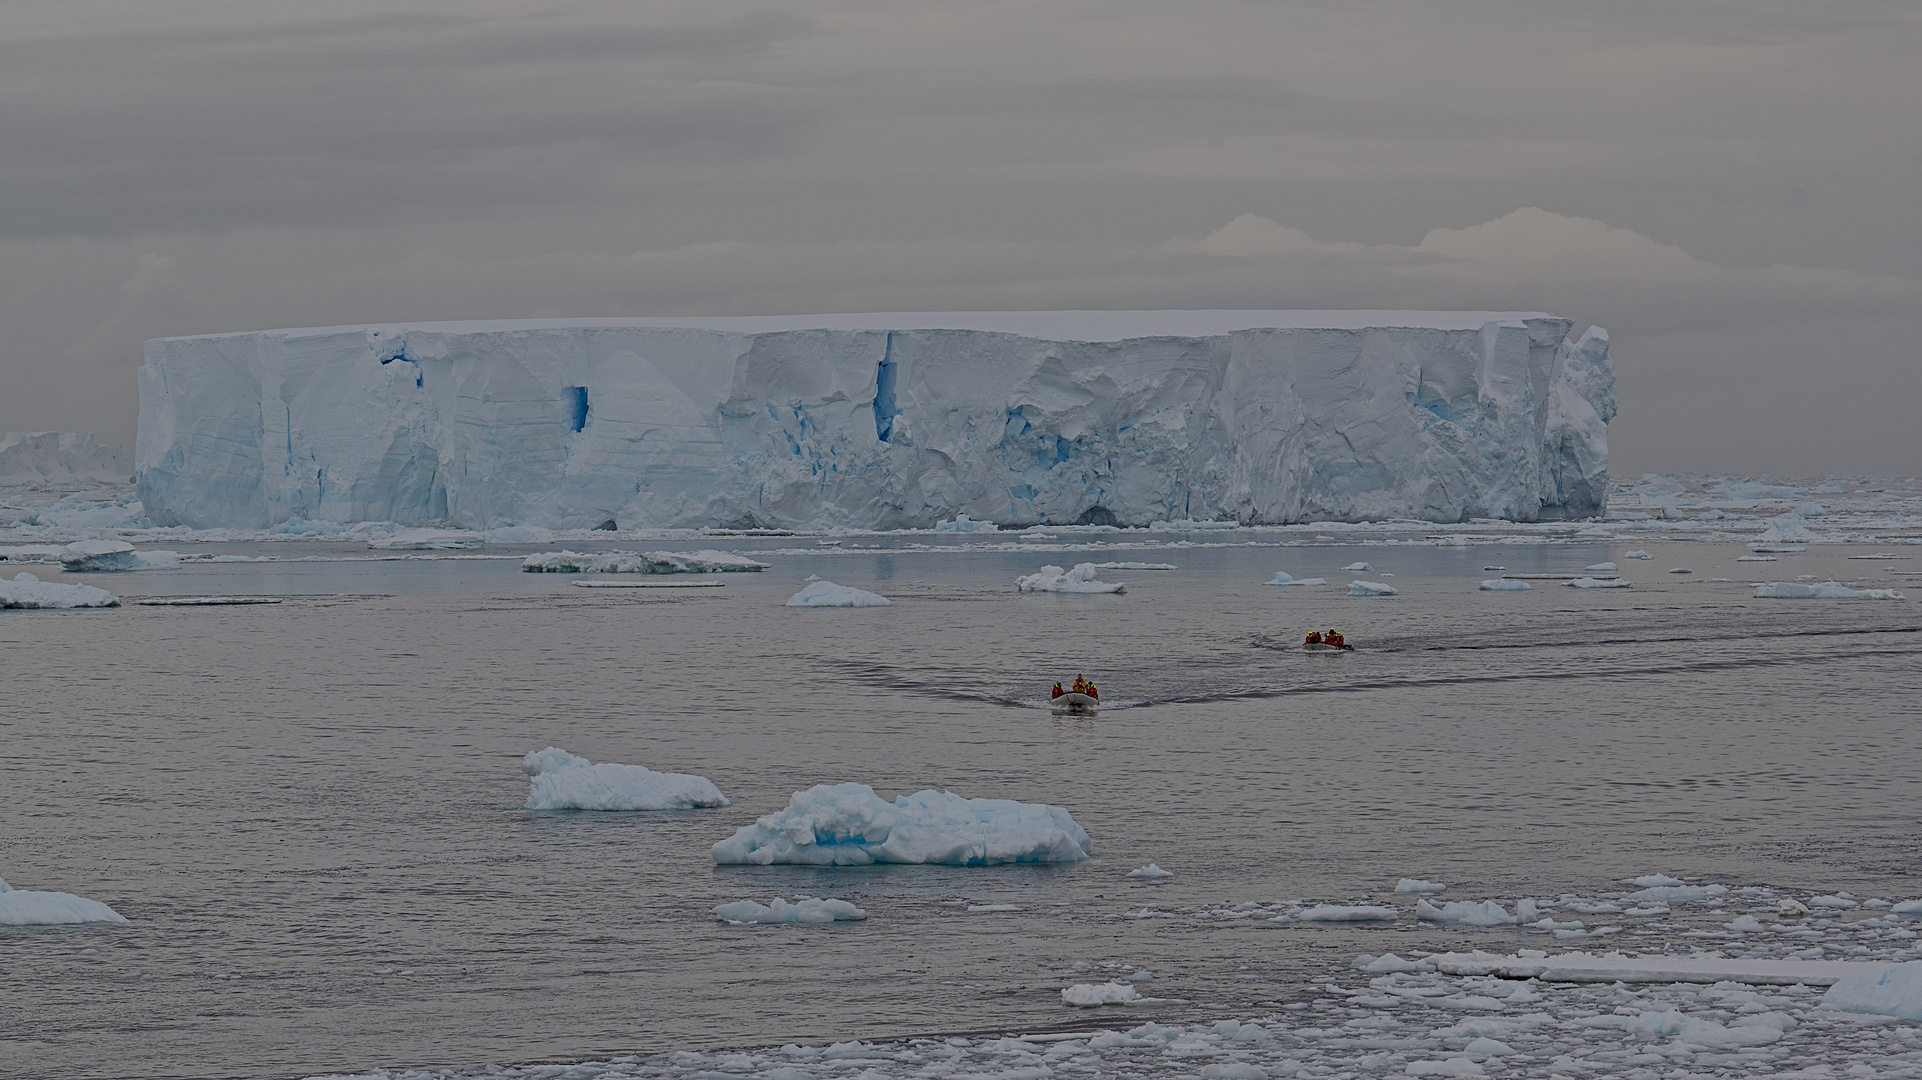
[(882, 421)]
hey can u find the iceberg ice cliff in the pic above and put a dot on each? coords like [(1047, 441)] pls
[(882, 421)]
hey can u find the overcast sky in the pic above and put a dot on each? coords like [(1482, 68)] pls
[(1733, 189)]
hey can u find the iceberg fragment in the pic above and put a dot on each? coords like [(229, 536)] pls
[(1637, 555), (27, 591), (1828, 590), (1151, 872), (806, 910), (849, 825), (822, 594), (639, 562), (30, 907), (96, 555), (559, 780), (1418, 887), (1465, 913), (962, 523), (1283, 579), (1598, 583), (1359, 587), (1081, 579), (1891, 990), (1092, 995), (1347, 913), (1504, 585)]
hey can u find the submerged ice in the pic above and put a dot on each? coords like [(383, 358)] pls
[(882, 421), (849, 825)]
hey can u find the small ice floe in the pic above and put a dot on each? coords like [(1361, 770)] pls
[(849, 825), (962, 523), (90, 555), (639, 562), (1416, 886), (1081, 579), (1755, 558), (1828, 590), (978, 909), (828, 594), (1648, 968), (1358, 568), (1390, 964), (1676, 894), (1908, 907), (428, 540), (1654, 881), (1151, 872), (1598, 583), (1281, 578), (1134, 566), (1359, 587), (1349, 913), (1744, 924), (1504, 585), (1603, 567), (206, 601), (1792, 909), (31, 907), (1493, 569), (1680, 570), (27, 591), (1465, 913), (559, 780), (1637, 554), (806, 910), (1094, 995), (1885, 990)]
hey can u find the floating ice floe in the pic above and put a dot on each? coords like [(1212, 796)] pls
[(1616, 967), (1466, 913), (1135, 566), (93, 555), (27, 591), (1828, 590), (1676, 894), (1637, 554), (1908, 907), (1390, 964), (561, 781), (428, 540), (1349, 913), (1598, 583), (639, 562), (30, 907), (807, 910), (1151, 872), (1603, 567), (1283, 579), (1755, 558), (1358, 568), (1359, 587), (822, 594), (849, 825), (1418, 887), (1654, 881), (1504, 585), (1888, 990), (962, 523), (1787, 529), (1092, 995), (1081, 579)]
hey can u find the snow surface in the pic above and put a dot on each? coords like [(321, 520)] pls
[(1370, 588), (561, 781), (1081, 579), (639, 562), (1503, 585), (27, 591), (849, 825), (806, 910), (1598, 583), (1828, 590), (828, 594), (29, 907), (882, 420)]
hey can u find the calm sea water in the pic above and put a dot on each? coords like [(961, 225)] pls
[(300, 796)]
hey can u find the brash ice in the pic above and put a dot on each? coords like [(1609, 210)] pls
[(882, 421)]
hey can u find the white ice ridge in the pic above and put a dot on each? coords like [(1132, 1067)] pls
[(805, 910), (882, 421), (27, 591), (29, 907), (828, 594), (1081, 579), (559, 780), (639, 562), (849, 825)]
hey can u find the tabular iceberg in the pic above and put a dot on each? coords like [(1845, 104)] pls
[(882, 421)]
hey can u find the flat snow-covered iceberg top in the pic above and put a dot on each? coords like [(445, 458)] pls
[(561, 781), (882, 420), (849, 825)]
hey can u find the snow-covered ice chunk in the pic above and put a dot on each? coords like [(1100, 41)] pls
[(1359, 587), (31, 907), (1151, 872), (1504, 585), (1598, 583), (962, 523), (1676, 894), (1091, 995), (1081, 579), (562, 781), (1390, 964), (1349, 913), (1418, 887), (828, 594), (1135, 566), (1888, 990), (27, 591), (1755, 558), (849, 825), (93, 555), (1787, 529), (639, 562), (1637, 554), (1283, 579), (1908, 907), (1358, 568), (1654, 881), (1744, 924), (1828, 590), (806, 910), (1465, 913), (1603, 567)]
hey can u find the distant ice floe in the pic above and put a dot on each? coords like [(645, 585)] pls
[(1603, 567), (27, 591), (1081, 579), (1349, 913), (561, 781), (639, 562), (806, 910), (1466, 913), (95, 555), (1418, 887), (1598, 583), (1281, 578), (1094, 995), (1359, 587), (1358, 568), (1504, 585), (1151, 872), (826, 594), (849, 825), (962, 523), (428, 540), (1828, 590), (1135, 566), (1637, 554), (29, 907)]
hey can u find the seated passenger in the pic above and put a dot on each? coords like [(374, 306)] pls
[(1314, 638), (1092, 692), (1334, 638), (1057, 690)]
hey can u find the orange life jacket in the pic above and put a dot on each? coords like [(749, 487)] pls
[(1314, 638)]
